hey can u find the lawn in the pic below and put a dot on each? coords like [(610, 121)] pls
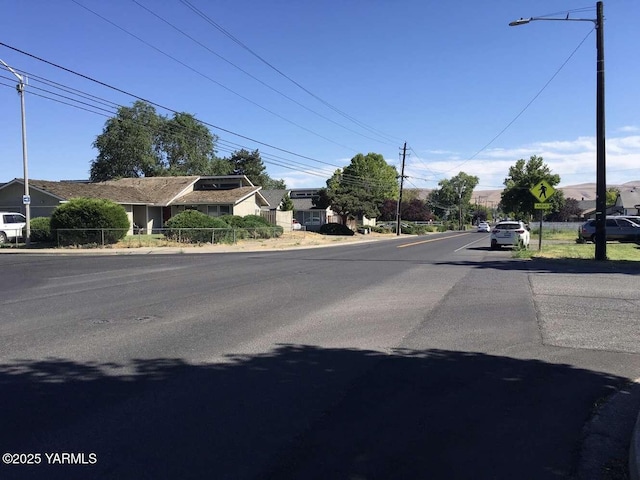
[(564, 245)]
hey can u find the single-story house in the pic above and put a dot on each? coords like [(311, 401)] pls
[(628, 202), (273, 212), (313, 217), (306, 214), (148, 201)]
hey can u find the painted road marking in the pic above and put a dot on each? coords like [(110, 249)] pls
[(432, 240), (484, 237)]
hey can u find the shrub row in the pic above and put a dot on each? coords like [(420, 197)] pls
[(192, 226)]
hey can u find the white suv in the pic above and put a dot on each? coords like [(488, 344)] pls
[(11, 225), (512, 233)]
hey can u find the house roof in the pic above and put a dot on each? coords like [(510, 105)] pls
[(69, 190), (160, 191), (630, 198), (274, 197), (235, 195), (157, 190), (304, 204)]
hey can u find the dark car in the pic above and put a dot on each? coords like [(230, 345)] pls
[(621, 229)]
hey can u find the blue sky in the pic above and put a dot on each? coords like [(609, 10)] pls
[(446, 77)]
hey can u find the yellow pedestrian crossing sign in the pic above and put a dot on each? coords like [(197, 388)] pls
[(542, 191)]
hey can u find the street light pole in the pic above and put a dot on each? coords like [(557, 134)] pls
[(601, 163), (26, 200)]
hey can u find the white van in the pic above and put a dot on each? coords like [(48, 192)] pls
[(11, 225)]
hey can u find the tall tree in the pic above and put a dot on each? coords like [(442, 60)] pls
[(250, 164), (453, 196), (128, 144), (186, 146), (570, 210), (361, 187), (517, 200), (138, 142)]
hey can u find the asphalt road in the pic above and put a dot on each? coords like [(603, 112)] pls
[(426, 358)]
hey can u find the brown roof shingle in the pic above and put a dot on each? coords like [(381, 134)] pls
[(199, 197)]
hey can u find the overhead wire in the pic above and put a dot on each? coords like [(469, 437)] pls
[(207, 77), (193, 39), (158, 105), (220, 143), (526, 107), (229, 35)]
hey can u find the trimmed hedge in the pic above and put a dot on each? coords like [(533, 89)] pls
[(196, 227), (93, 220), (192, 226), (41, 230), (335, 229)]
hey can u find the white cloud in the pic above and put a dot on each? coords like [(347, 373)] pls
[(574, 160), (629, 129)]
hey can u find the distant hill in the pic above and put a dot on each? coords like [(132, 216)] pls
[(581, 192)]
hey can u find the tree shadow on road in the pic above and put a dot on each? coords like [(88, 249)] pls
[(551, 265), (301, 412)]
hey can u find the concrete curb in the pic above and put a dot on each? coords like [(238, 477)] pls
[(237, 248)]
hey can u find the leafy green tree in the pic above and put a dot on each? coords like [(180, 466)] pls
[(186, 146), (138, 142), (286, 203), (517, 201), (612, 195), (250, 164), (128, 144), (361, 187), (454, 196)]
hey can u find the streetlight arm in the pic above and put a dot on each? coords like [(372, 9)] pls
[(524, 21), (19, 77)]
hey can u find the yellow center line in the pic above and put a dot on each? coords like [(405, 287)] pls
[(432, 240)]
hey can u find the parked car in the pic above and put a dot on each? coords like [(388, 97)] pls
[(483, 227), (617, 228), (295, 225), (512, 233), (11, 225)]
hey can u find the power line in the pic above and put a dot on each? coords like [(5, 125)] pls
[(347, 179), (182, 32), (155, 104), (218, 27), (207, 77), (535, 97)]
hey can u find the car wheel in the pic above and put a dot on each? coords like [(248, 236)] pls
[(494, 245), (593, 238), (3, 237)]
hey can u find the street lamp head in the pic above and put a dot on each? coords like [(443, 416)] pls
[(521, 21)]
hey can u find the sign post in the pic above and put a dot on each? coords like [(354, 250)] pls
[(542, 191)]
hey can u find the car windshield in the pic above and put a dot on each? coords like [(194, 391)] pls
[(508, 226)]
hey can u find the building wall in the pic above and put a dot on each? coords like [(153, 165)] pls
[(281, 218), (42, 205), (246, 207)]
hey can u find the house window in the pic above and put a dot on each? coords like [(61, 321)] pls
[(218, 210), (311, 218)]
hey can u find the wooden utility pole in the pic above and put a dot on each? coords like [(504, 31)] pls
[(404, 155)]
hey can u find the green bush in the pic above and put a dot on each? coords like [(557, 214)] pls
[(335, 229), (234, 221), (259, 227), (252, 226), (192, 226), (94, 221), (41, 230)]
